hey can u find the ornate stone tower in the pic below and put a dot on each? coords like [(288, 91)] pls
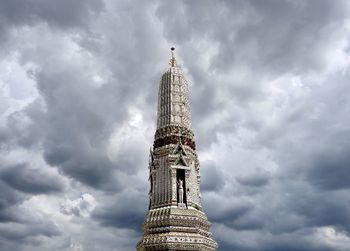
[(175, 220)]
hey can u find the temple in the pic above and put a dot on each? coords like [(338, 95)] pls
[(175, 219)]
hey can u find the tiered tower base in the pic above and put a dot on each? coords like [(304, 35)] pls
[(173, 228)]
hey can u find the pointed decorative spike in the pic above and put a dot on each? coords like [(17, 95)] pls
[(173, 59)]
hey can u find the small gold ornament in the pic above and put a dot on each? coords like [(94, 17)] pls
[(173, 59)]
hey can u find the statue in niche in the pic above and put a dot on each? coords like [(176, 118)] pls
[(180, 189)]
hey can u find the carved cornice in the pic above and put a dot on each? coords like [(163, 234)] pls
[(173, 130), (177, 241), (174, 139)]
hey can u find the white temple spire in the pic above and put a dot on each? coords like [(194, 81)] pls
[(173, 97), (175, 220)]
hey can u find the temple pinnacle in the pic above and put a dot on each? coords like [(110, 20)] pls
[(175, 219), (173, 59)]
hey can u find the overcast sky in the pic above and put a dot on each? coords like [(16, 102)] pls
[(270, 99)]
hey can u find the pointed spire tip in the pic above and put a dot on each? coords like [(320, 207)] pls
[(173, 59)]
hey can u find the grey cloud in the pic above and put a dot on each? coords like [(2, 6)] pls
[(63, 14), (16, 232), (81, 207), (273, 34), (328, 209), (30, 180), (228, 211), (17, 224), (8, 198), (76, 129), (125, 211), (270, 39), (247, 224), (331, 173), (21, 129), (257, 180), (229, 215), (126, 218), (212, 177), (23, 229), (330, 167), (231, 51)]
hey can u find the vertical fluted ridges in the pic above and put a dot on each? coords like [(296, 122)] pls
[(173, 100), (175, 220)]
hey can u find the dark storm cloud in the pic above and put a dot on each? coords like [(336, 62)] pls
[(271, 36), (229, 210), (330, 169), (75, 143), (63, 14), (32, 181), (256, 180), (126, 212), (8, 197), (21, 127), (229, 215), (267, 39), (332, 174), (19, 227), (96, 67), (212, 177), (328, 209), (17, 232), (76, 123), (328, 163), (271, 39)]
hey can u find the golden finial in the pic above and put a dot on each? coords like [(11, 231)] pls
[(173, 59)]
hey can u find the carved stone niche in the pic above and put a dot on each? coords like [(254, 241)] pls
[(181, 181)]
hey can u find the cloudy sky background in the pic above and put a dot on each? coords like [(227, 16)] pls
[(270, 97)]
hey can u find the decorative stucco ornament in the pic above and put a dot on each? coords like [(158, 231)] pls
[(175, 220)]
